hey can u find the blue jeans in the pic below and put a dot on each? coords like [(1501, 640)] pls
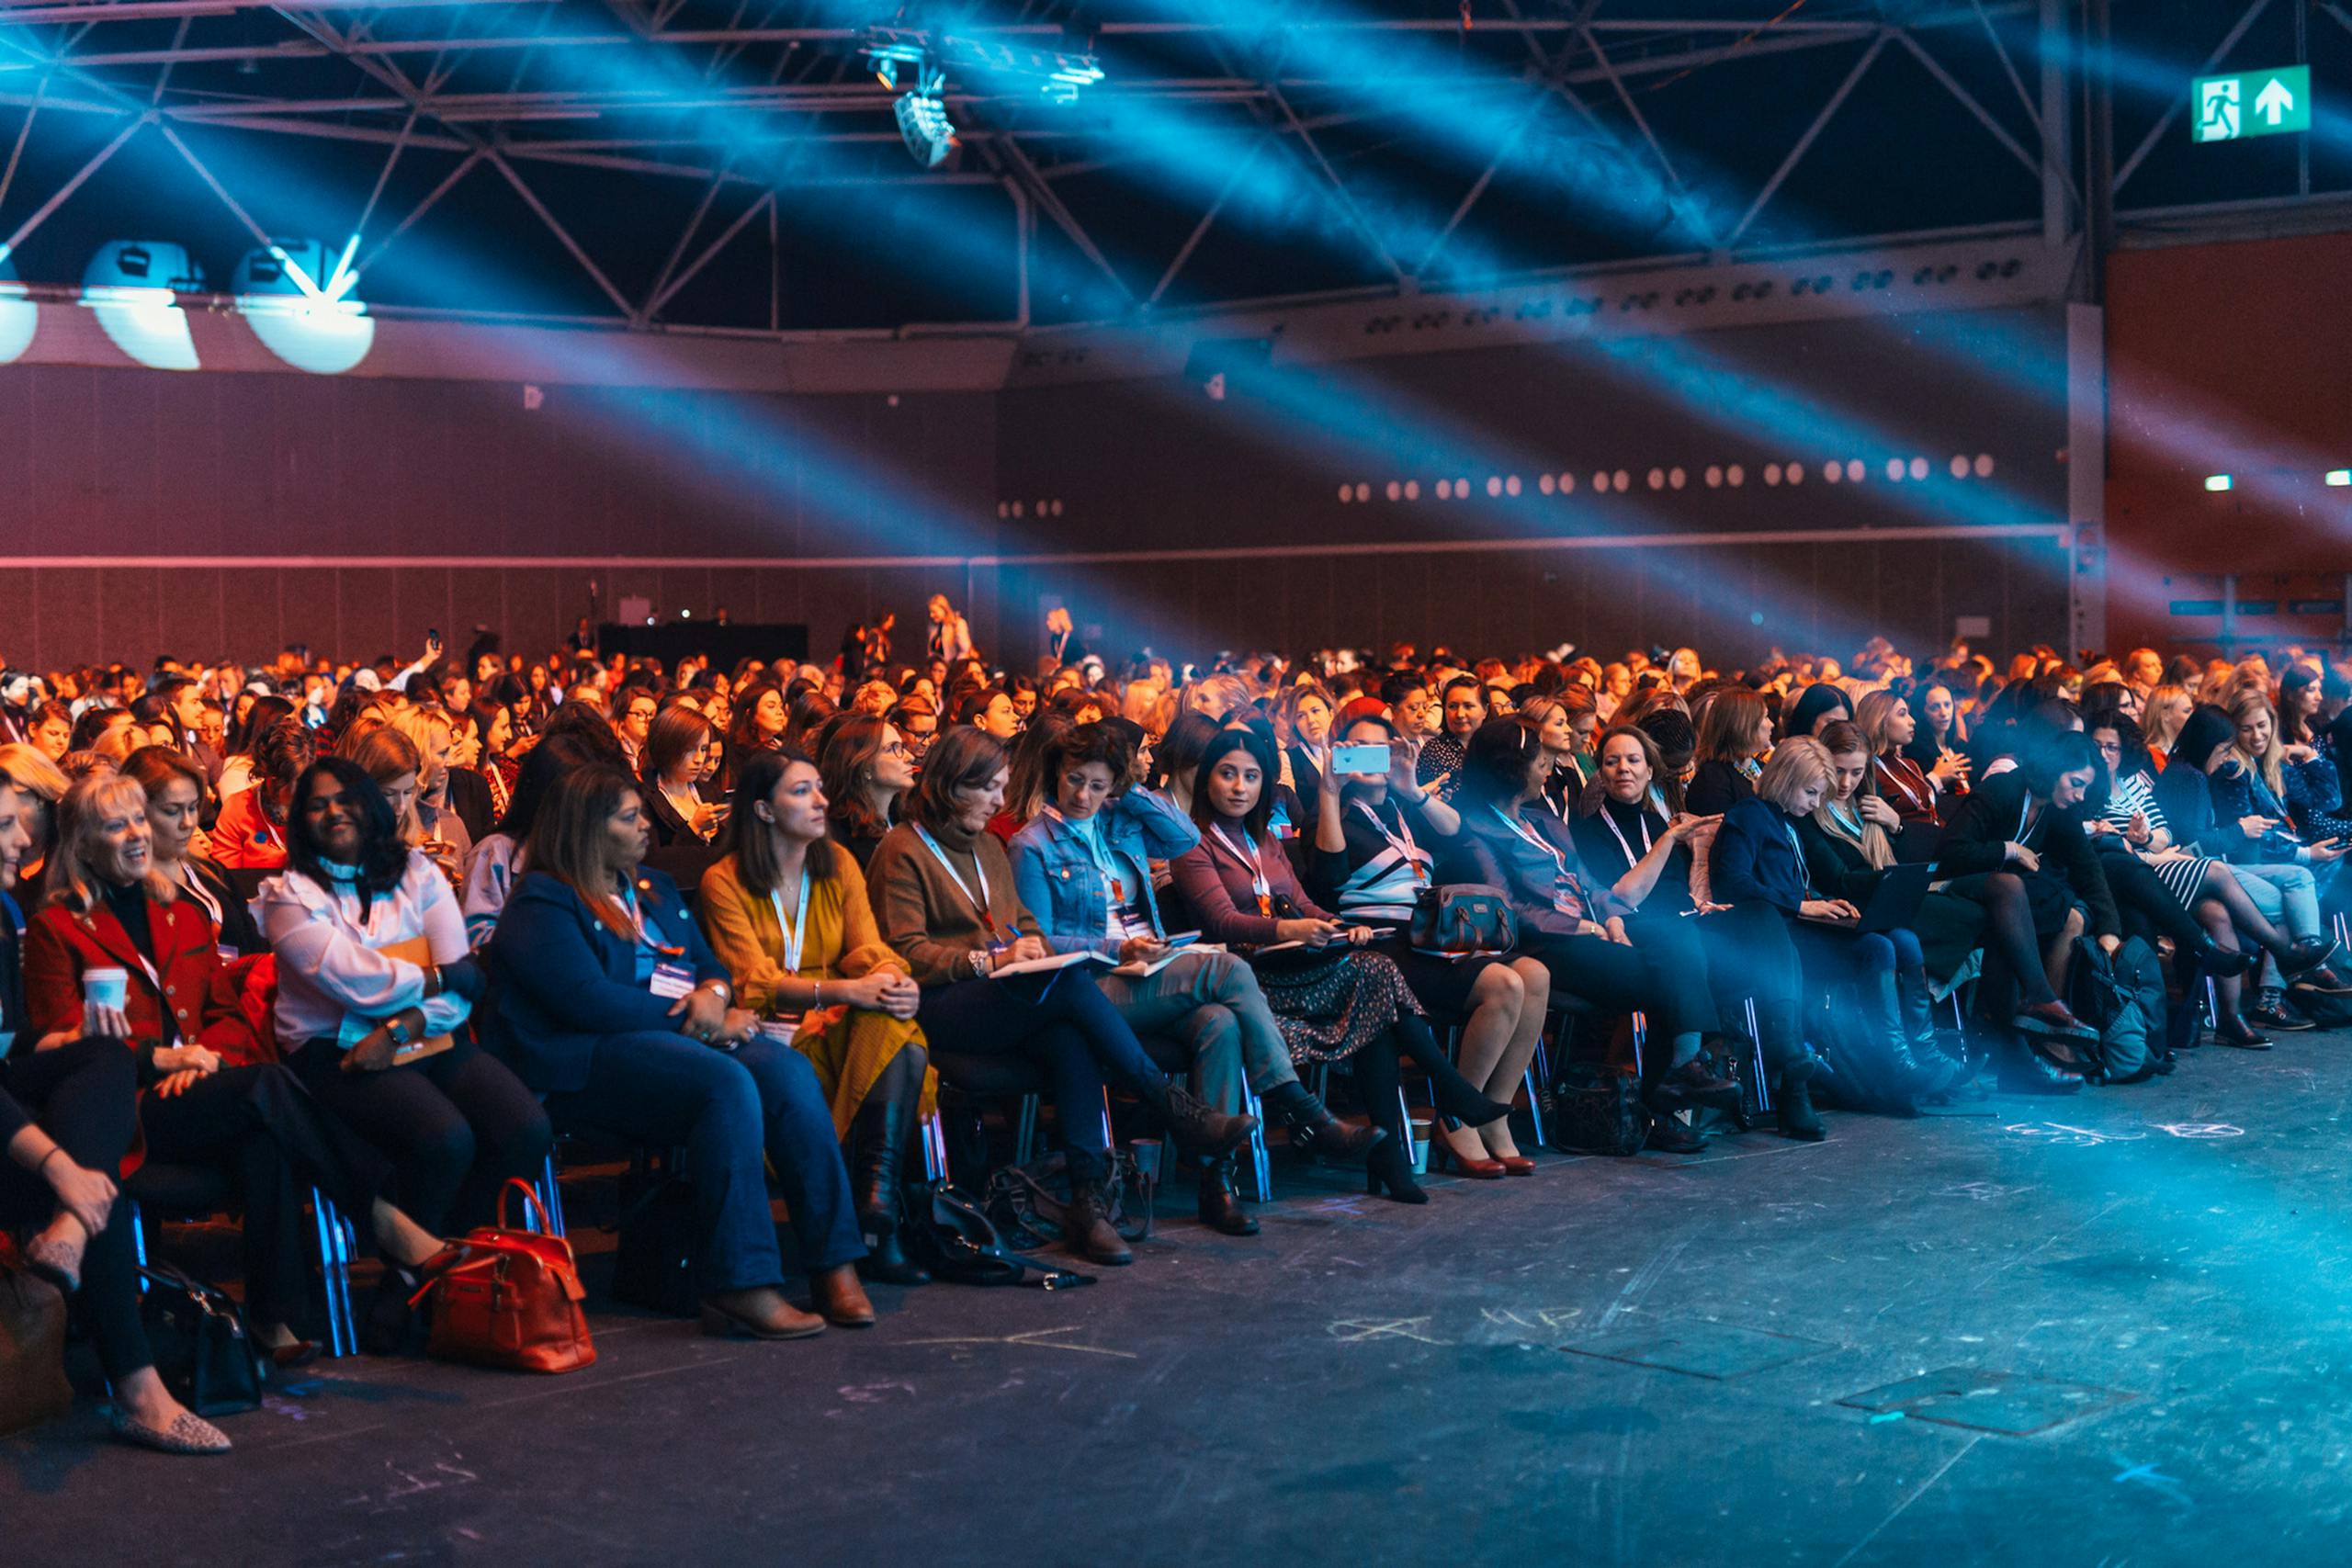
[(1211, 1002), (730, 1108), (2287, 896)]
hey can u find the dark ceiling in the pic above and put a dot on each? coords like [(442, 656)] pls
[(734, 165)]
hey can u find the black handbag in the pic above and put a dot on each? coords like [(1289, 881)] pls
[(1464, 918), (1598, 1111), (952, 1237), (203, 1352)]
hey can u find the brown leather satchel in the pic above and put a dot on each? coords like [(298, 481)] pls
[(32, 1350), (509, 1298)]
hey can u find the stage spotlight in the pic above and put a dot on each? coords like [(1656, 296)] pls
[(18, 315), (131, 285), (2337, 478), (296, 296), (2217, 482), (922, 126)]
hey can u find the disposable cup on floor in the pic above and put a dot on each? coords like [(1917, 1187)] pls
[(107, 987), (1422, 1129)]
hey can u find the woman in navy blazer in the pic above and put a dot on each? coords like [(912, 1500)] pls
[(611, 1006)]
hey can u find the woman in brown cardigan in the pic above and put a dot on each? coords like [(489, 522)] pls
[(944, 889), (786, 910)]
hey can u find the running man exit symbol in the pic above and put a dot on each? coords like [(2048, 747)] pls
[(2253, 102)]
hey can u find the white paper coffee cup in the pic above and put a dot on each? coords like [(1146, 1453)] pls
[(107, 987)]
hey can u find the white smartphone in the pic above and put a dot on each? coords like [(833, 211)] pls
[(1369, 758)]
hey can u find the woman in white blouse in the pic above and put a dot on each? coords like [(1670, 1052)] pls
[(375, 983)]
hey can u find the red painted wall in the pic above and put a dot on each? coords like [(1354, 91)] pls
[(2229, 358)]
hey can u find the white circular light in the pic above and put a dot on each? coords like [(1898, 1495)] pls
[(1600, 481), (1347, 494), (1058, 506), (1795, 473), (1548, 483), (1856, 471), (1771, 473), (1833, 472), (1959, 466), (1393, 490), (1735, 475), (1715, 475), (1895, 469), (1445, 489), (1676, 479), (1494, 484), (1016, 509), (1567, 484), (1657, 478), (1983, 464), (1462, 490), (1918, 467), (1412, 489), (1511, 485), (1003, 510), (1623, 480)]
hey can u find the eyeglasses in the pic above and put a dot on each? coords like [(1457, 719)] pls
[(898, 748)]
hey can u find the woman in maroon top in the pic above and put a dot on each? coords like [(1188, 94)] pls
[(1888, 726), (1332, 1000)]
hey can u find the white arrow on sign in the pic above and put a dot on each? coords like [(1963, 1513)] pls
[(2274, 101)]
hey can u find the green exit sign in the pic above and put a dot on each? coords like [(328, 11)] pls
[(2252, 103)]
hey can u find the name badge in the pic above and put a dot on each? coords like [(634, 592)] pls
[(780, 1030), (670, 981)]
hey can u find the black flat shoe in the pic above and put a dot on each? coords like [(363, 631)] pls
[(2308, 953), (2242, 1039), (2221, 961), (2021, 1071), (2282, 1018)]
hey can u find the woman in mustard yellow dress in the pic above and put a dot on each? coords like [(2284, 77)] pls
[(786, 912)]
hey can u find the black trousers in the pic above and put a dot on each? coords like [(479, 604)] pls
[(455, 1126), (85, 1096), (258, 1127), (1751, 955)]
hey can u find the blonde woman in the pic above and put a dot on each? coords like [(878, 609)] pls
[(2167, 709)]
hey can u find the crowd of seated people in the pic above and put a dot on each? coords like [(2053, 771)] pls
[(388, 930)]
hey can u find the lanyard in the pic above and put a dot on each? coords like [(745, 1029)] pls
[(1401, 840), (201, 894), (1632, 860), (1532, 837), (980, 904), (1258, 883), (644, 937), (1853, 824), (794, 933), (1794, 843), (1565, 899)]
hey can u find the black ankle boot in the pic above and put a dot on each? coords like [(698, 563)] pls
[(1792, 1104), (1220, 1209), (1313, 1128), (1390, 1165), (390, 1326), (878, 1145), (1195, 1125)]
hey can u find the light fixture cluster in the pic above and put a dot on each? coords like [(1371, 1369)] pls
[(2335, 479), (1018, 509), (1715, 475)]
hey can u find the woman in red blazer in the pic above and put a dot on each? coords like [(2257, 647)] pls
[(208, 1101)]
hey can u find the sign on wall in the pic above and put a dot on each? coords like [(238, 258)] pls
[(2251, 103)]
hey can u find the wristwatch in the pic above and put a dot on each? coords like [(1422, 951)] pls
[(981, 959), (398, 1030)]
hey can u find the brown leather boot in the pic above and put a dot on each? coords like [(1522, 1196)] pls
[(840, 1298), (761, 1313)]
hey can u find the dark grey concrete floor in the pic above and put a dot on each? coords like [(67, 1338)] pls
[(1462, 1382)]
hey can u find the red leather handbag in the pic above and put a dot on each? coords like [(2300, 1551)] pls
[(509, 1298)]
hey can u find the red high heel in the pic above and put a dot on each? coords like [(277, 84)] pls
[(1517, 1165), (1481, 1169)]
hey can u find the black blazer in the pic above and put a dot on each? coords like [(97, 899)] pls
[(1835, 867), (1713, 787), (1978, 837), (1754, 861)]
